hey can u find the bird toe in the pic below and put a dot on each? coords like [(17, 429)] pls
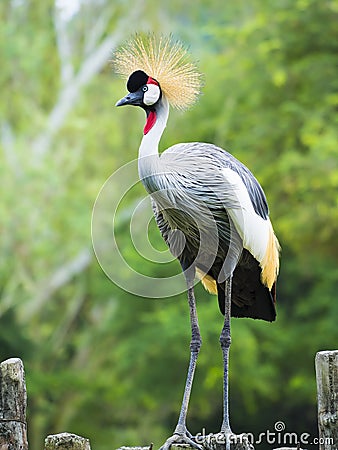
[(227, 440), (185, 438)]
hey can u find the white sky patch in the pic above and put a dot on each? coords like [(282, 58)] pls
[(17, 3), (67, 8)]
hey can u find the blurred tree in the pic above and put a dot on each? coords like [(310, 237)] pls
[(99, 361)]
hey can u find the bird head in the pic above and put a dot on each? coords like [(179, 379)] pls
[(143, 90), (156, 68)]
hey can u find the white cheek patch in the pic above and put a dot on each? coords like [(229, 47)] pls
[(151, 95)]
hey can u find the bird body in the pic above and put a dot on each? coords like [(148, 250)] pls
[(210, 209), (199, 177)]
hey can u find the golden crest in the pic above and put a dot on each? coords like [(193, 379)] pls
[(167, 61)]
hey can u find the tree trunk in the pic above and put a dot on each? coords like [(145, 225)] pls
[(13, 400), (327, 393)]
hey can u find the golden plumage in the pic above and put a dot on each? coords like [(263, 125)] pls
[(208, 282), (164, 59), (270, 262), (269, 266)]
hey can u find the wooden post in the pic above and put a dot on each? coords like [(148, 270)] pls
[(327, 393), (210, 442), (13, 400), (65, 441)]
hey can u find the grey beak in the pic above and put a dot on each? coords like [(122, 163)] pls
[(122, 101), (133, 98)]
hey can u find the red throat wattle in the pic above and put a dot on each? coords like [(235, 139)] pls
[(151, 119)]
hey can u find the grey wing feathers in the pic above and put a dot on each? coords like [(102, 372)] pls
[(254, 189), (161, 223), (199, 153), (194, 174)]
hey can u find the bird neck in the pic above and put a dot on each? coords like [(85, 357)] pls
[(148, 157)]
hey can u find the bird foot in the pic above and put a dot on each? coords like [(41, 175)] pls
[(181, 438), (226, 440)]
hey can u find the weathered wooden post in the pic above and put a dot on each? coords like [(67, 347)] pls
[(66, 441), (209, 442), (13, 401), (327, 393)]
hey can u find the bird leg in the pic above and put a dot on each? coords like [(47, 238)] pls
[(225, 341), (181, 434), (226, 437)]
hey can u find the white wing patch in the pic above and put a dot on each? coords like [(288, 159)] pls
[(252, 228)]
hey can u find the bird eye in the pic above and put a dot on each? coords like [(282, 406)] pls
[(145, 88)]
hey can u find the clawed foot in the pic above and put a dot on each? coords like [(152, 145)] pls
[(178, 438), (226, 440), (214, 441)]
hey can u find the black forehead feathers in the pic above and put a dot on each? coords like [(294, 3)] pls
[(136, 80)]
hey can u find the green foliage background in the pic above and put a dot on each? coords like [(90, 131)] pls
[(99, 361)]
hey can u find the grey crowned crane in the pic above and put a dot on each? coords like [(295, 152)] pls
[(210, 209)]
